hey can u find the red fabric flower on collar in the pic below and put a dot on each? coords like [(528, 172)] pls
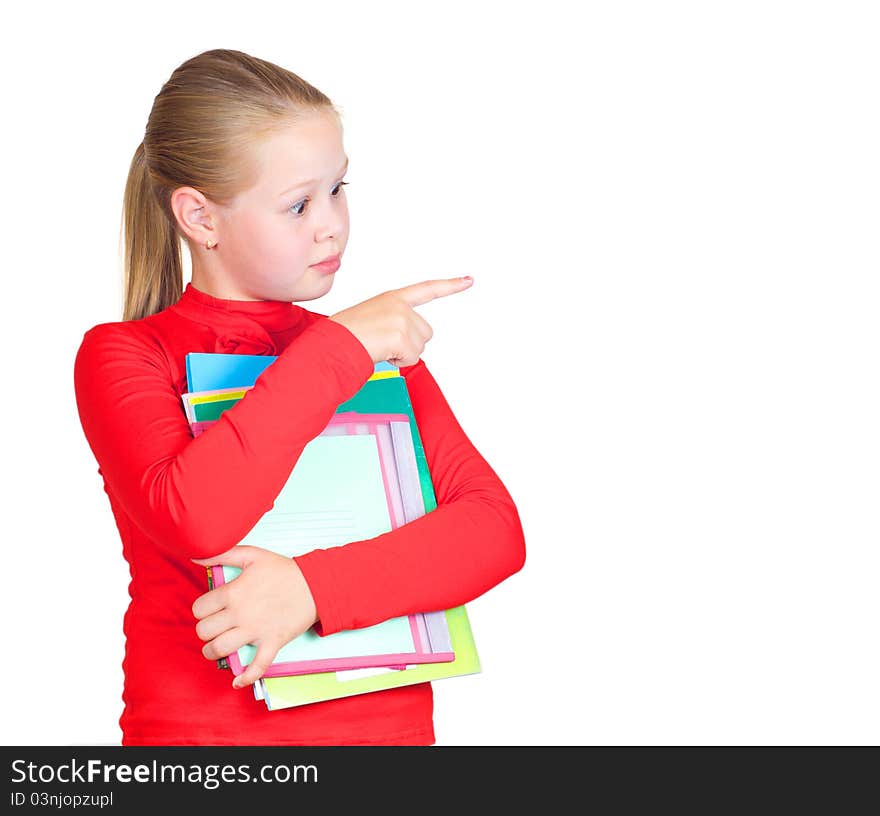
[(245, 341)]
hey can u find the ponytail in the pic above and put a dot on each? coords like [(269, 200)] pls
[(153, 263)]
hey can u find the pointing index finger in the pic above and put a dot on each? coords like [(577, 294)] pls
[(419, 293)]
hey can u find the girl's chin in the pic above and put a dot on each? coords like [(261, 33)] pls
[(326, 279), (318, 289)]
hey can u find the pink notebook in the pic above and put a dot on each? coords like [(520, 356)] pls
[(400, 477)]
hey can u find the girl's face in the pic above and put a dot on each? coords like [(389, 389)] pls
[(296, 215)]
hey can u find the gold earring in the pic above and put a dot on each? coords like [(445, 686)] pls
[(210, 244)]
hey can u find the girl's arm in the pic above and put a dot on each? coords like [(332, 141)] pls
[(468, 544), (198, 497)]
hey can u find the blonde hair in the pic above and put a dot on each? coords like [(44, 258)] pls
[(201, 131)]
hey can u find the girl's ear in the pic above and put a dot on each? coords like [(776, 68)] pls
[(190, 208)]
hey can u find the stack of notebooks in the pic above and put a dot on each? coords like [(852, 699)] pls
[(365, 474)]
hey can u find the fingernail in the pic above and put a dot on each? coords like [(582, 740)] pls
[(236, 683), (467, 278)]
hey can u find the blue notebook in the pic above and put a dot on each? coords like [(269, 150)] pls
[(210, 372)]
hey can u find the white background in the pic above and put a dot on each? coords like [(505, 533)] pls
[(669, 354)]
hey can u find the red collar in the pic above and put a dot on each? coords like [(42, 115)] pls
[(243, 326)]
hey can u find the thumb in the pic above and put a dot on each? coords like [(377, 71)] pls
[(265, 655), (237, 556)]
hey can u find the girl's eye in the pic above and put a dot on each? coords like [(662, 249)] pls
[(303, 203)]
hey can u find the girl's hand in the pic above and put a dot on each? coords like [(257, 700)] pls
[(268, 604), (388, 326)]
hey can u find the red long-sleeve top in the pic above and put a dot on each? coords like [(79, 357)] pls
[(175, 497)]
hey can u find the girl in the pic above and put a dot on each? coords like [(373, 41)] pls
[(244, 161)]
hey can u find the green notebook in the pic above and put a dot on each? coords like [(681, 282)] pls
[(284, 692), (385, 392)]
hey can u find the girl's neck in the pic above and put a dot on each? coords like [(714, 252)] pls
[(272, 315)]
